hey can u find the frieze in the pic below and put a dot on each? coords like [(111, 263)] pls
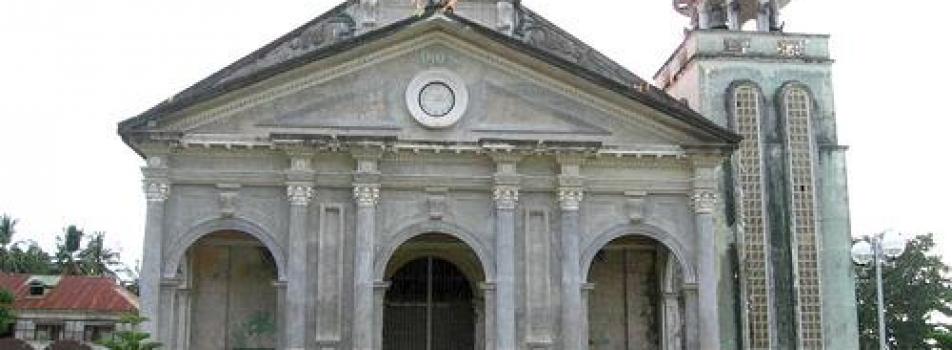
[(736, 45), (791, 48)]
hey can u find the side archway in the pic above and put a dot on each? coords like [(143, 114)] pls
[(679, 250), (178, 250)]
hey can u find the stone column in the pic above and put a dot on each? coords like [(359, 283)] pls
[(733, 15), (691, 327), (364, 319), (489, 315), (704, 201), (671, 321), (183, 316), (300, 193), (506, 195), (157, 189), (167, 312), (366, 194), (570, 199), (583, 326), (380, 294), (280, 315)]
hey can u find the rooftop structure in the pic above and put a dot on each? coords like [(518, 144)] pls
[(732, 14)]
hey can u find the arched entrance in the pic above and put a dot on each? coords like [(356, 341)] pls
[(634, 301), (230, 279), (434, 301)]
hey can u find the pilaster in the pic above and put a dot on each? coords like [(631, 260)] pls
[(300, 192), (570, 196), (366, 196), (704, 200), (157, 188), (506, 197)]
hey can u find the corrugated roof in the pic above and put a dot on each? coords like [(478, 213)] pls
[(72, 293)]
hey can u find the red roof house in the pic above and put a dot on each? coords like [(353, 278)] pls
[(79, 308)]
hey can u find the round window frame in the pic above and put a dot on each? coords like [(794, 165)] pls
[(456, 85)]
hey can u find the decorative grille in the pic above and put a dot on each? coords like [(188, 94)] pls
[(751, 207), (800, 151)]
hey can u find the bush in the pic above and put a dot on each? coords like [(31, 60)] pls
[(14, 344), (68, 345)]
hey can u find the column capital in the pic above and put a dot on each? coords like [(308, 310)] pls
[(300, 194), (704, 201), (367, 195), (570, 198), (157, 190), (506, 196)]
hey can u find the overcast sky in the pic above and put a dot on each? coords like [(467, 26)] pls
[(71, 70)]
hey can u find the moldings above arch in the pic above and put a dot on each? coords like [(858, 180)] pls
[(173, 256), (405, 234), (679, 250)]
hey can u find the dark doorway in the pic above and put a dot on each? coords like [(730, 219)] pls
[(429, 306)]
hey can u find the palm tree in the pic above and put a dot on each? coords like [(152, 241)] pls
[(97, 260), (67, 246), (7, 229), (32, 260)]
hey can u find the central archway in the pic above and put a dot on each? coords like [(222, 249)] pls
[(434, 300)]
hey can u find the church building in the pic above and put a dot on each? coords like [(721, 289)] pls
[(464, 174)]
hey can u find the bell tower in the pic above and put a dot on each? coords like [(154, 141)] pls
[(785, 236)]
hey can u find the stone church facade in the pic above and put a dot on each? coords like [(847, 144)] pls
[(391, 178)]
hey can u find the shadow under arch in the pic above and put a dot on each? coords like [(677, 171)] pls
[(178, 249), (677, 249), (404, 235)]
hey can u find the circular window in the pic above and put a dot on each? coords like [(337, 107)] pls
[(437, 98)]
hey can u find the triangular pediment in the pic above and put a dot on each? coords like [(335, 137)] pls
[(512, 94)]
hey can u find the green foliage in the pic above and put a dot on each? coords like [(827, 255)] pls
[(917, 287), (71, 258), (97, 260), (66, 247), (259, 328), (7, 229), (7, 316), (943, 337), (29, 260), (128, 335)]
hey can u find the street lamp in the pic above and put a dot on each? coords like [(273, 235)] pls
[(878, 249)]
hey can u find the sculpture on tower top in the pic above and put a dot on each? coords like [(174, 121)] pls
[(732, 14), (445, 5)]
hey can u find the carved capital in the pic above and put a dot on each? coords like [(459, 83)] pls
[(506, 196), (704, 201), (367, 195), (300, 194), (570, 198), (156, 191)]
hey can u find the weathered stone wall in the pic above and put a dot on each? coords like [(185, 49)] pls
[(624, 304), (233, 294)]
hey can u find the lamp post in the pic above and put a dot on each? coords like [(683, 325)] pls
[(878, 249)]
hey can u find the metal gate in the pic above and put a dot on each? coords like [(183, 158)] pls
[(429, 306)]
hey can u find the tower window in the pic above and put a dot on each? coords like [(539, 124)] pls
[(797, 107), (750, 208)]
